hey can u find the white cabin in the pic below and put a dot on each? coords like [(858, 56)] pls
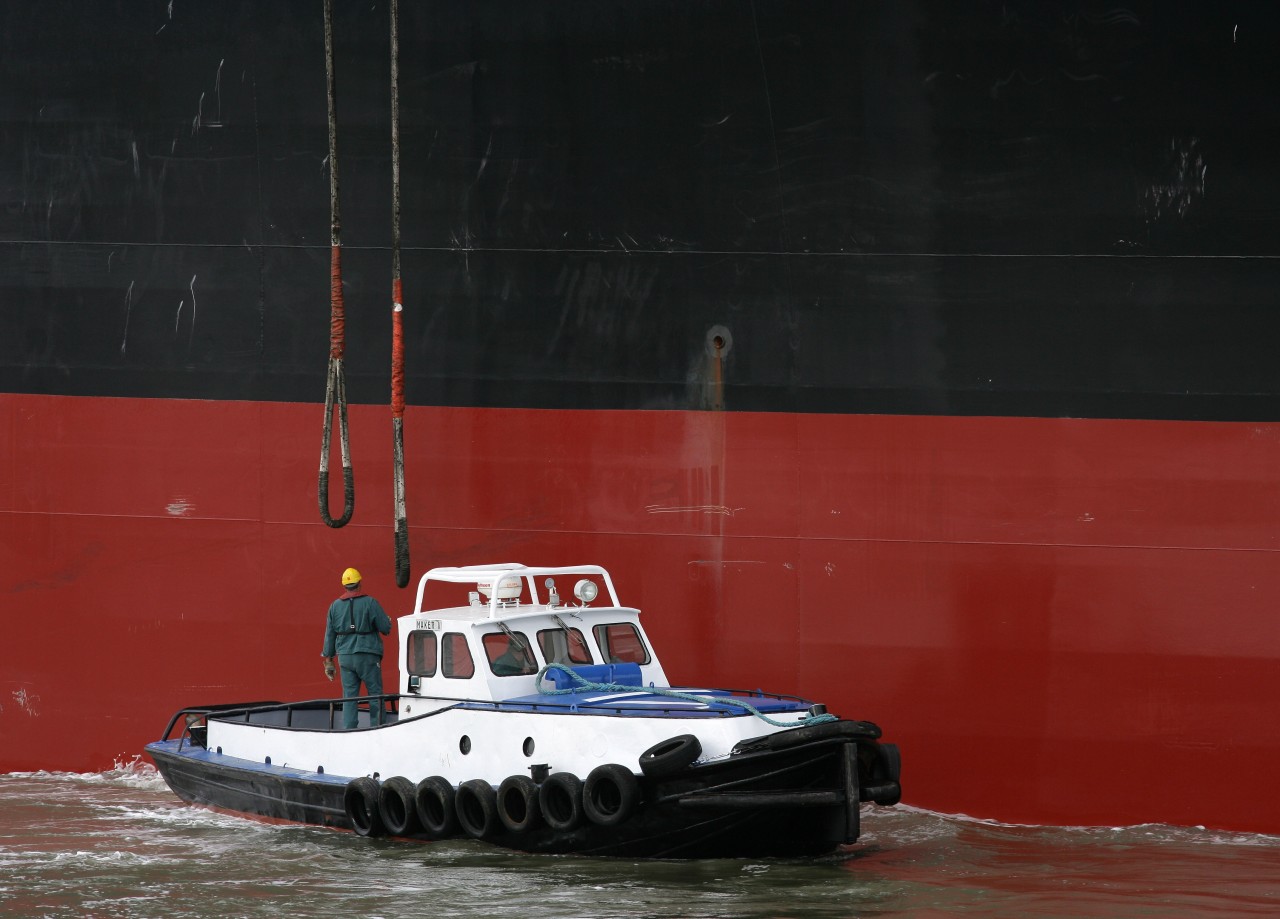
[(485, 632)]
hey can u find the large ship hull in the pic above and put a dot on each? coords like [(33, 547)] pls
[(927, 352), (1064, 592)]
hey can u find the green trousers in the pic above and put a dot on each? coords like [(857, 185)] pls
[(356, 669)]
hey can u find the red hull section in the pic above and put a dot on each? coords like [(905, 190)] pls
[(1059, 621)]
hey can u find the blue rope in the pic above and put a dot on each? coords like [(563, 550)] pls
[(584, 683)]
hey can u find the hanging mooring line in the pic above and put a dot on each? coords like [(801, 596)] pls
[(336, 384), (397, 312)]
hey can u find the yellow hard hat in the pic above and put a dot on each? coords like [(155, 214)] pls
[(350, 576)]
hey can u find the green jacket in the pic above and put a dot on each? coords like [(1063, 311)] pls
[(353, 626)]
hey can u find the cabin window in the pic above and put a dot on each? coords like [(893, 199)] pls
[(455, 657), (620, 643), (422, 653), (564, 646), (509, 655)]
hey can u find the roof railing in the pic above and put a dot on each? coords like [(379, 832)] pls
[(492, 575)]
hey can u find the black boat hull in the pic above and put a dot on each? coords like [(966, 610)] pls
[(791, 801)]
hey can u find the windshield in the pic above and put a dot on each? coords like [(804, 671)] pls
[(509, 654), (564, 646)]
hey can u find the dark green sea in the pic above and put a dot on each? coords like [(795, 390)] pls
[(119, 844)]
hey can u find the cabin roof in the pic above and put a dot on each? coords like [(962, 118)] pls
[(510, 615)]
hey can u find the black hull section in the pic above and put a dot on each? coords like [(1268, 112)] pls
[(213, 781), (926, 208), (799, 801)]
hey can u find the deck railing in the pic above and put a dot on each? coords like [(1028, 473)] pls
[(286, 714)]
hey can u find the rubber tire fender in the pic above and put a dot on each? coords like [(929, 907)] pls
[(360, 802), (670, 756), (560, 801), (886, 776), (397, 805), (434, 800), (476, 805), (610, 794), (888, 763), (518, 804)]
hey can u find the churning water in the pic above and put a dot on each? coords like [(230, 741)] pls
[(119, 844)]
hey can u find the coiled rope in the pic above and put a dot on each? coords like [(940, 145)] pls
[(584, 683), (336, 383), (397, 310)]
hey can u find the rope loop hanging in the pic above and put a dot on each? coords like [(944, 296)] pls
[(335, 385), (397, 311)]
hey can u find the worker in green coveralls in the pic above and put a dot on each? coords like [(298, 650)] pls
[(354, 633)]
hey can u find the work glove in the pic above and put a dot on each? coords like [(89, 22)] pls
[(328, 668)]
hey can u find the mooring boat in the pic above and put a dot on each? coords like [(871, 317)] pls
[(546, 726)]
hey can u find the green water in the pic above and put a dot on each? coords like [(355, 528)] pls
[(119, 844)]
